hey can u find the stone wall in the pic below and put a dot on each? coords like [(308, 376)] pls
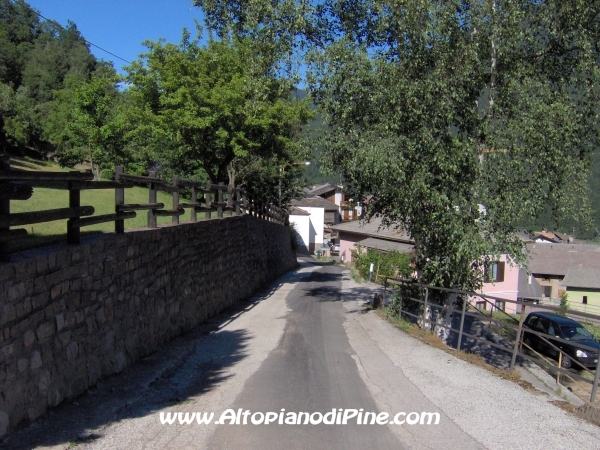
[(71, 315)]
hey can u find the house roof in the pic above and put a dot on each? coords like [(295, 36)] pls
[(321, 189), (582, 278), (525, 237), (298, 212), (316, 202), (372, 229), (557, 259), (553, 236), (527, 289), (386, 246)]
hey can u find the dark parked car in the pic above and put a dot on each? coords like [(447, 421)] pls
[(561, 327)]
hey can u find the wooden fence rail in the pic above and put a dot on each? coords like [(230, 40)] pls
[(204, 197)]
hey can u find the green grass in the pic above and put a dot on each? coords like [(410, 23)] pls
[(27, 163), (504, 317), (594, 329)]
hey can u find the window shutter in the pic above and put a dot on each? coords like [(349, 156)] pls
[(500, 276)]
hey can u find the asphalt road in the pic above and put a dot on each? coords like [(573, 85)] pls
[(306, 345), (311, 370)]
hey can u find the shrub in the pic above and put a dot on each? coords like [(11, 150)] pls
[(387, 264), (564, 302)]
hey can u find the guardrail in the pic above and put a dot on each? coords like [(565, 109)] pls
[(515, 329), (224, 200)]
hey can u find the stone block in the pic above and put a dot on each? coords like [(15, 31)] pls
[(37, 317), (72, 351), (28, 338), (55, 291), (63, 258), (16, 291), (8, 314), (25, 269), (52, 309), (52, 261), (60, 321), (64, 338), (7, 273), (35, 361), (40, 300), (41, 263), (54, 397), (37, 409), (45, 330), (100, 315), (22, 364)]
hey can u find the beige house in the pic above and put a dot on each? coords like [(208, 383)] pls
[(550, 262)]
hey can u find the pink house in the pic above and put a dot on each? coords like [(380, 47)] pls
[(503, 282), (511, 283), (370, 235)]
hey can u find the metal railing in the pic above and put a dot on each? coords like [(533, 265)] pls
[(514, 329)]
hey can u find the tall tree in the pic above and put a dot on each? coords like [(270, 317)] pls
[(86, 123), (36, 58), (215, 108), (460, 118)]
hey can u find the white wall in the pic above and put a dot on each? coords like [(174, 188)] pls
[(317, 222), (302, 227), (338, 197)]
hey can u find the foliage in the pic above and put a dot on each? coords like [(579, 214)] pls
[(564, 302), (387, 264), (94, 131), (36, 59), (436, 108), (216, 109)]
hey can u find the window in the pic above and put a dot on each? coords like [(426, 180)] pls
[(494, 272), (584, 301), (500, 305), (480, 305), (547, 291)]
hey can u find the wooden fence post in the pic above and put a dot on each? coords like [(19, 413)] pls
[(4, 211), (175, 218), (238, 202), (517, 345), (151, 199), (229, 200), (221, 186), (73, 232), (194, 201), (119, 200), (207, 200)]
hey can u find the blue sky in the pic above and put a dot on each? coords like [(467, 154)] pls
[(121, 26)]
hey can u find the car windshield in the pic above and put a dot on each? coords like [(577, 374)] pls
[(575, 332)]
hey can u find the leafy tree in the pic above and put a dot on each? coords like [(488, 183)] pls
[(36, 58), (216, 109), (89, 122), (437, 108)]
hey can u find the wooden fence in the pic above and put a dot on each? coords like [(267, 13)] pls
[(205, 198)]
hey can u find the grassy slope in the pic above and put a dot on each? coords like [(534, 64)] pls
[(102, 200)]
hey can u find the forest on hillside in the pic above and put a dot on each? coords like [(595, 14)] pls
[(210, 110)]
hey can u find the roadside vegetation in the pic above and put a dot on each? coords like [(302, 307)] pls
[(385, 264)]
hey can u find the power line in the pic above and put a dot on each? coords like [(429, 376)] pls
[(82, 38)]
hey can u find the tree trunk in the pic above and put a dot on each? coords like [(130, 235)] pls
[(443, 321)]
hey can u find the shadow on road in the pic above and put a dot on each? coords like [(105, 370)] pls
[(186, 367)]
